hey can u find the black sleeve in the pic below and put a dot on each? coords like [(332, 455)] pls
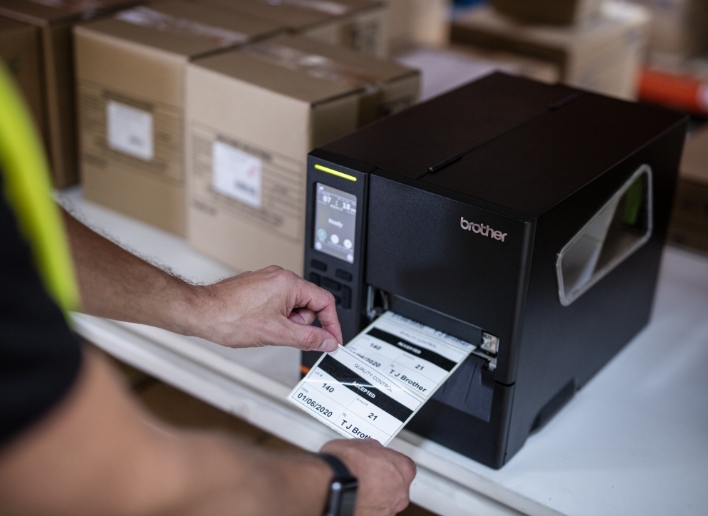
[(39, 355)]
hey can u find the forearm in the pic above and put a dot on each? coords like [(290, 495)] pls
[(118, 285), (99, 454), (266, 307)]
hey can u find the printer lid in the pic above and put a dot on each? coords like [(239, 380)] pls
[(509, 141)]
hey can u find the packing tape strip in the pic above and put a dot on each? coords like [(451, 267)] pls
[(314, 65), (324, 6), (147, 17)]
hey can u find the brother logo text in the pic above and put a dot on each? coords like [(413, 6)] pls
[(481, 229)]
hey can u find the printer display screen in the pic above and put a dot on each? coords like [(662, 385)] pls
[(335, 222)]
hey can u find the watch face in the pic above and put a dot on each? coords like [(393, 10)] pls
[(342, 498), (348, 501)]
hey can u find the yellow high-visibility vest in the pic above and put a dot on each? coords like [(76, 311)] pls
[(29, 193)]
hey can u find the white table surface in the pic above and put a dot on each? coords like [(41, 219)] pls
[(632, 441)]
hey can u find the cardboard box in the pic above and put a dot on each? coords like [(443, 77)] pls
[(602, 55), (689, 223), (252, 117), (357, 24), (422, 22), (19, 50), (679, 27), (555, 12), (54, 18), (688, 235), (130, 76)]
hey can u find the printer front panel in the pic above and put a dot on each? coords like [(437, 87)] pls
[(335, 238), (448, 257)]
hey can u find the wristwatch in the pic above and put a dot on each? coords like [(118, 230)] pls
[(342, 490)]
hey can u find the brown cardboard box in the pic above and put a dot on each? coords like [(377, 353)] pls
[(19, 50), (557, 12), (252, 117), (602, 55), (55, 19), (689, 223), (418, 22), (130, 76), (679, 27), (357, 24)]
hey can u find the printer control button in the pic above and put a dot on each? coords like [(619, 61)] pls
[(315, 278), (346, 297), (320, 266), (331, 285), (343, 275)]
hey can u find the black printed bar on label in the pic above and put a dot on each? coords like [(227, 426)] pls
[(425, 354), (357, 384)]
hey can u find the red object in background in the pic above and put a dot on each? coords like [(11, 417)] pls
[(682, 91)]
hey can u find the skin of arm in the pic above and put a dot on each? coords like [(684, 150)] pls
[(99, 453), (270, 306)]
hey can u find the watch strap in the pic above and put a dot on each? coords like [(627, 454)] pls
[(340, 470)]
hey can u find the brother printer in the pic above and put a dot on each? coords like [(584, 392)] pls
[(525, 218)]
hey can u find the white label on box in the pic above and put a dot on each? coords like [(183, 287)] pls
[(237, 174), (374, 385), (130, 130)]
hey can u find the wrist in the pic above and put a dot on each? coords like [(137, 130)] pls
[(190, 309)]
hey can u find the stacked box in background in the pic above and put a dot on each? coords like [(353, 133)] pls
[(55, 19), (559, 12), (689, 223), (418, 22), (679, 27), (252, 116), (19, 50), (130, 76), (604, 54), (356, 24)]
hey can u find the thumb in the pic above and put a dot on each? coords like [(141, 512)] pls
[(310, 338)]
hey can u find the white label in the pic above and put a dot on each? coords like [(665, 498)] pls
[(130, 130), (237, 174), (376, 384)]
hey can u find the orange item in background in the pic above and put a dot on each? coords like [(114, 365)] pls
[(682, 91)]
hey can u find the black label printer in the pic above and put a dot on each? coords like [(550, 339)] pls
[(525, 218)]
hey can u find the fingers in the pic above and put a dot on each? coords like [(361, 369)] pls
[(303, 316), (321, 302), (311, 338)]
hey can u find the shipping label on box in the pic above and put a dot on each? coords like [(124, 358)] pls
[(123, 132), (236, 179)]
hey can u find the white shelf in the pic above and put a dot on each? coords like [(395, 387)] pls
[(633, 441)]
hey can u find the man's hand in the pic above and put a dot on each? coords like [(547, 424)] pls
[(268, 307), (384, 475)]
